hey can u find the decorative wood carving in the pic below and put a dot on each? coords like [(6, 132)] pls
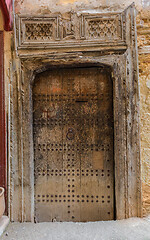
[(49, 32), (39, 31), (103, 27)]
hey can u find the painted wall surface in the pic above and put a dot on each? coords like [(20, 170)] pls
[(10, 9), (1, 21), (43, 7)]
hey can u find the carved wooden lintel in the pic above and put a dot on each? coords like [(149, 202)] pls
[(79, 29)]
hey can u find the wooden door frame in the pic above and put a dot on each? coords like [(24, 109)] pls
[(126, 158), (120, 56)]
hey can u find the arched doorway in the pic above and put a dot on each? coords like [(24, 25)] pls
[(73, 145)]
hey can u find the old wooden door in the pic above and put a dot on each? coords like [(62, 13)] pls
[(73, 145)]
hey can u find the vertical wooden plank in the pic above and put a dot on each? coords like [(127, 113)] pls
[(3, 180), (120, 139)]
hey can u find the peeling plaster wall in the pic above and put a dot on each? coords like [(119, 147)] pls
[(44, 7), (143, 29)]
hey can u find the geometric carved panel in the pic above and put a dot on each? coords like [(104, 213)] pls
[(55, 31), (103, 28), (39, 31), (36, 30)]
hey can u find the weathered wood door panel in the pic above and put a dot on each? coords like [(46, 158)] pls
[(73, 145)]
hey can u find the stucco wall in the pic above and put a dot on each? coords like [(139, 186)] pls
[(143, 27), (143, 23), (45, 6)]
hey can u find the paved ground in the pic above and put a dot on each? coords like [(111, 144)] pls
[(134, 229), (4, 221)]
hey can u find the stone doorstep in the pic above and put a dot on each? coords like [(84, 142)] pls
[(4, 221)]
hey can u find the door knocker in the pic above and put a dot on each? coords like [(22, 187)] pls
[(70, 134)]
